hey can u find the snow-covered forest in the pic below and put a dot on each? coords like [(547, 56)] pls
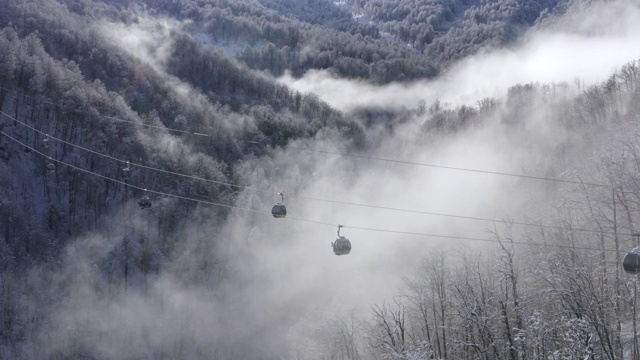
[(481, 156)]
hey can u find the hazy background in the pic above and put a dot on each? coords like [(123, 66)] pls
[(580, 49), (271, 286), (583, 46)]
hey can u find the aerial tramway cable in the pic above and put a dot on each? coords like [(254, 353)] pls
[(302, 219), (126, 173), (396, 161), (366, 157)]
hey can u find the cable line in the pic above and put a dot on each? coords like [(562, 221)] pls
[(379, 207), (293, 218), (557, 227), (405, 162), (125, 183), (449, 167), (485, 240), (126, 161), (155, 126), (366, 157)]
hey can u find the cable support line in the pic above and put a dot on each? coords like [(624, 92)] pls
[(405, 162), (483, 239), (305, 197), (291, 218), (156, 126), (557, 227), (127, 184), (129, 162), (319, 151)]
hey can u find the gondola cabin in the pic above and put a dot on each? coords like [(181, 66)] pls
[(126, 172), (45, 142), (342, 246), (631, 261), (51, 167), (279, 210), (144, 202)]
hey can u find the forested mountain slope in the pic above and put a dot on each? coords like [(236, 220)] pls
[(185, 93)]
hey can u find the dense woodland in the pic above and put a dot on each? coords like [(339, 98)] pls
[(75, 236)]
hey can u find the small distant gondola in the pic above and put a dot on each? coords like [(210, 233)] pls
[(279, 210), (144, 202), (51, 167), (631, 261), (45, 142), (126, 172), (342, 245)]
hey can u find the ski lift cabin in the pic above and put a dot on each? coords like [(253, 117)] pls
[(51, 167), (279, 210), (631, 261), (126, 172), (144, 202), (342, 245)]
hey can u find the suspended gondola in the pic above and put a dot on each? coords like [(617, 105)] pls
[(45, 142), (126, 172), (51, 167), (342, 245), (279, 210), (144, 202), (631, 261)]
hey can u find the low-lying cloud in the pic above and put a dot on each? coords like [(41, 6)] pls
[(266, 283), (586, 44), (148, 39)]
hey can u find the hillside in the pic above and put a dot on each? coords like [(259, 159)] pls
[(469, 207)]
